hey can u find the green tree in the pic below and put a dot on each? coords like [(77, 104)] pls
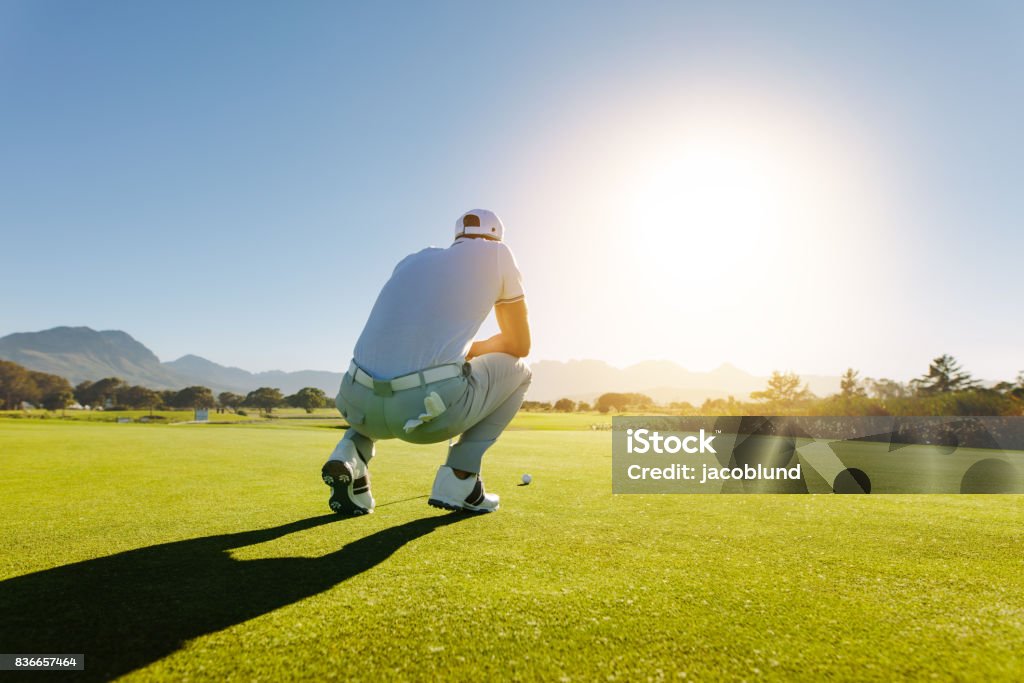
[(886, 389), (140, 397), (683, 407), (639, 400), (59, 400), (610, 401), (944, 375), (229, 400), (83, 391), (108, 390), (96, 394), (264, 398), (583, 407), (1017, 393), (565, 405), (620, 401), (1012, 389), (308, 398), (16, 385), (850, 384), (167, 397), (783, 389), (728, 406), (48, 386), (194, 397)]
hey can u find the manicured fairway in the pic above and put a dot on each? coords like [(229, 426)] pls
[(203, 552)]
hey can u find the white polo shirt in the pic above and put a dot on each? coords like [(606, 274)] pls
[(435, 302)]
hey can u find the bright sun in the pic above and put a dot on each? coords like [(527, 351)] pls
[(709, 199), (729, 231)]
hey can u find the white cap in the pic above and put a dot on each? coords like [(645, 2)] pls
[(480, 222)]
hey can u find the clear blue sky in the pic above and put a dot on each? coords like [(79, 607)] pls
[(236, 180)]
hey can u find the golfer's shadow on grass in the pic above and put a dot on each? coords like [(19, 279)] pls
[(128, 610)]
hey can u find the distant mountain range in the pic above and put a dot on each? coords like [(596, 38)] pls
[(206, 372), (81, 353)]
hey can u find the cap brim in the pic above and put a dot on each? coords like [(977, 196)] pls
[(481, 232)]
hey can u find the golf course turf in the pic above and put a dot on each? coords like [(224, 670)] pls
[(207, 552)]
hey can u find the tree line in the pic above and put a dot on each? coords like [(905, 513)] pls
[(945, 389), (19, 385)]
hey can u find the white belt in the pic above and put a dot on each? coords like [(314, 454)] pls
[(410, 381)]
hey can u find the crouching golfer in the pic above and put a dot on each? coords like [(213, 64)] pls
[(416, 376)]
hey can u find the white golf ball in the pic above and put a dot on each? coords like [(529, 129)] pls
[(527, 478)]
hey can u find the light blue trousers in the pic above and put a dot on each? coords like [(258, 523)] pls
[(478, 408)]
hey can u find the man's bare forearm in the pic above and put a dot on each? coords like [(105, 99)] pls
[(499, 343)]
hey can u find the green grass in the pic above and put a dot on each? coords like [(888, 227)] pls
[(561, 421), (155, 547)]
